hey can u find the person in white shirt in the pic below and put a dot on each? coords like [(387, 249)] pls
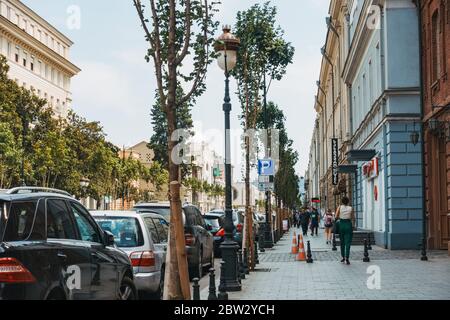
[(346, 218)]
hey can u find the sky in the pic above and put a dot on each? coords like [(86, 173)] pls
[(116, 86)]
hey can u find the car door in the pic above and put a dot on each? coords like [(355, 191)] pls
[(72, 257), (207, 238), (106, 269), (157, 239)]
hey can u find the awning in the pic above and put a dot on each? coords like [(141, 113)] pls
[(361, 155), (348, 168)]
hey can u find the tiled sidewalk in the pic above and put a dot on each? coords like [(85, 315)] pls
[(402, 275)]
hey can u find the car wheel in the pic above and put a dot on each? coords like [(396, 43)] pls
[(127, 290)]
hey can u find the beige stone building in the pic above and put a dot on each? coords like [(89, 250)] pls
[(37, 53)]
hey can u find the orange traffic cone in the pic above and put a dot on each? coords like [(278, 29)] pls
[(294, 249), (301, 250)]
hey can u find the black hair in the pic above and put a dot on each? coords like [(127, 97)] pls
[(345, 201)]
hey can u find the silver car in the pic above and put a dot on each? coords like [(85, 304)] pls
[(143, 236)]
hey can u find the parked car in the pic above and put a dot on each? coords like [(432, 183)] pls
[(199, 241), (215, 225), (144, 238), (52, 249), (238, 222), (162, 208)]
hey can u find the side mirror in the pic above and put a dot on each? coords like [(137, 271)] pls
[(109, 239)]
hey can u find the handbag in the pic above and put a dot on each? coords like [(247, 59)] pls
[(336, 227)]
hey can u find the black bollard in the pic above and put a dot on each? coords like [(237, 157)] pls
[(245, 264), (223, 295), (369, 245), (334, 242), (261, 239), (424, 256), (212, 285), (196, 287), (309, 258), (366, 252), (241, 272), (256, 253)]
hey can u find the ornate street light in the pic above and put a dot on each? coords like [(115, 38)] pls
[(226, 47), (415, 136)]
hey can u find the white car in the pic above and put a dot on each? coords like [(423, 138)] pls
[(143, 236)]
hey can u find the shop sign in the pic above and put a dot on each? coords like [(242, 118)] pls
[(371, 168)]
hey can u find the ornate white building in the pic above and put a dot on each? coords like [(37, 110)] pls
[(37, 53)]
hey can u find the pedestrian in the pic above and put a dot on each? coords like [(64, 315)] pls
[(345, 217), (315, 218), (304, 220), (328, 223), (297, 219)]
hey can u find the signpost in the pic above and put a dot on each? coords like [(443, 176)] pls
[(334, 160), (266, 172)]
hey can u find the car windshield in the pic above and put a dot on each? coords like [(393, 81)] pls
[(126, 230), (164, 211)]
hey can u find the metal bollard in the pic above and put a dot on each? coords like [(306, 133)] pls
[(256, 253), (334, 242), (245, 264), (424, 256), (223, 295), (369, 245), (212, 285), (196, 288), (241, 272), (309, 258), (366, 252), (261, 239)]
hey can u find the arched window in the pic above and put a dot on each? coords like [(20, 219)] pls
[(435, 46)]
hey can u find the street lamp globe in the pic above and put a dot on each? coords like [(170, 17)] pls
[(227, 46), (84, 183)]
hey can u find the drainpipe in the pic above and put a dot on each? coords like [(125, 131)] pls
[(422, 112)]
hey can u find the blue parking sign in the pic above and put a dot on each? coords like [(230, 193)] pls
[(266, 167)]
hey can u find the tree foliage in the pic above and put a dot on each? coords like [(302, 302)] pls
[(59, 152)]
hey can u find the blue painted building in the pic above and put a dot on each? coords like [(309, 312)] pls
[(383, 78)]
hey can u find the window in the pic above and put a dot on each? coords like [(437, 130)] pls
[(435, 46), (16, 55), (26, 222), (59, 221), (39, 70), (25, 56), (32, 64), (127, 232), (87, 231), (152, 229), (163, 229)]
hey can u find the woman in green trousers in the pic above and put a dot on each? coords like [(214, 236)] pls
[(346, 218)]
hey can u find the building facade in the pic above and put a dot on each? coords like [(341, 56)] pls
[(38, 55), (368, 102), (435, 18)]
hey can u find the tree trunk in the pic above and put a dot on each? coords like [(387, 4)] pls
[(177, 276), (249, 244)]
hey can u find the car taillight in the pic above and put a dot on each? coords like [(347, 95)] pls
[(190, 239), (220, 233), (239, 227), (142, 259), (12, 271)]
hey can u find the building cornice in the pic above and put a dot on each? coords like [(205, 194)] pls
[(31, 44), (29, 12)]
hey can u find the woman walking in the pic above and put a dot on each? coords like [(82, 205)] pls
[(346, 219), (328, 223)]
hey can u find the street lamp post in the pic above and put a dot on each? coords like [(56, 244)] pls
[(268, 236), (226, 47)]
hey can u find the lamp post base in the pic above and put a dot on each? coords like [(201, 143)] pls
[(268, 237), (229, 281)]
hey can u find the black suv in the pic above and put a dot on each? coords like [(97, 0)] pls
[(51, 248), (199, 241)]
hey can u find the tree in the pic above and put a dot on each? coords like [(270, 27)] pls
[(263, 51), (175, 30)]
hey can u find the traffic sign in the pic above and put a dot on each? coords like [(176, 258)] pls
[(266, 187), (266, 167)]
